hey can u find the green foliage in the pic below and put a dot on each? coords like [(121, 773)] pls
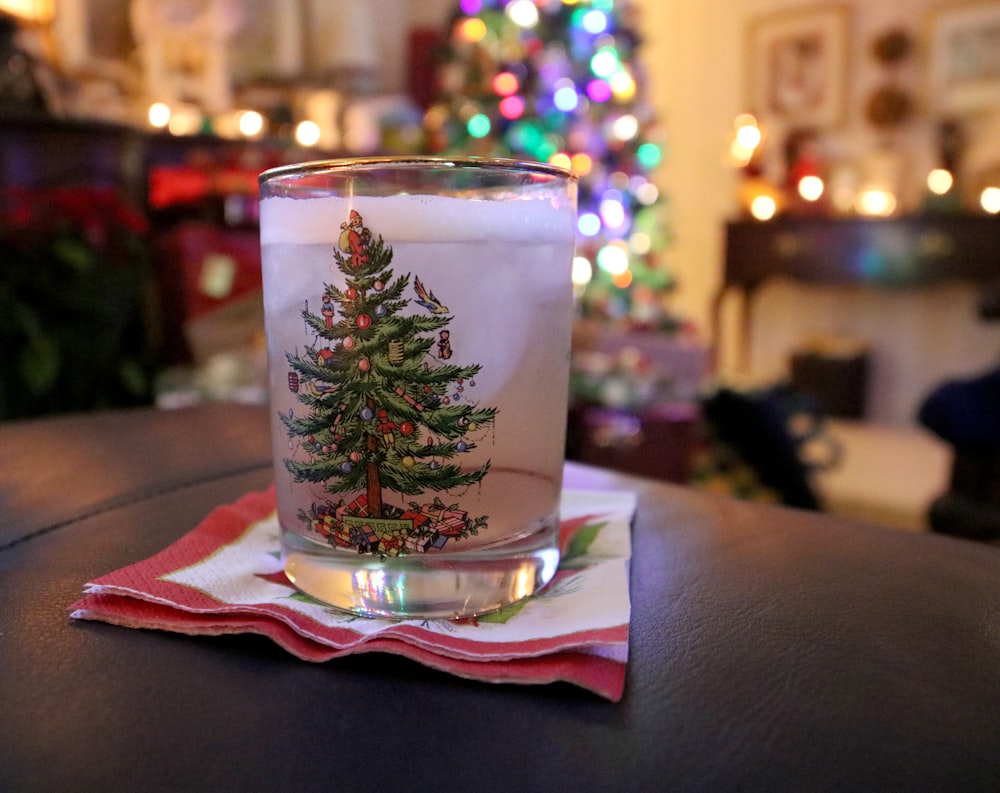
[(74, 297)]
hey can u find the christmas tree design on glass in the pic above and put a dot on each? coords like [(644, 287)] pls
[(385, 413)]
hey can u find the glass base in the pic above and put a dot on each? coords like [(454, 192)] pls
[(423, 585)]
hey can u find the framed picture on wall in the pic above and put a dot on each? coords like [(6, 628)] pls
[(796, 66), (965, 57), (94, 36)]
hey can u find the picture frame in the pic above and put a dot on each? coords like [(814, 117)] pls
[(797, 66), (94, 37), (269, 42), (964, 57), (181, 50)]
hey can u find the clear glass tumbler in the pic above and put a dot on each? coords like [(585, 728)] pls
[(418, 317)]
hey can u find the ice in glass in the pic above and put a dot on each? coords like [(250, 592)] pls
[(418, 329)]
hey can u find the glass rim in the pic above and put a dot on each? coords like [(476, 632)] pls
[(418, 162)]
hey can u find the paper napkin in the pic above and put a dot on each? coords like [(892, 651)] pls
[(226, 576)]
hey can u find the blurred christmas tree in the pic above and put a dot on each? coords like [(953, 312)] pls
[(557, 81)]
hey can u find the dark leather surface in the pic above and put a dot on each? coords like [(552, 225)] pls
[(772, 650)]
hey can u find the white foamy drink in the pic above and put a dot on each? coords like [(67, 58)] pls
[(418, 349)]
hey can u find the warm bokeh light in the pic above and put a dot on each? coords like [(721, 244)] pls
[(647, 193), (251, 123), (37, 11), (763, 207), (875, 202), (307, 133), (583, 271), (471, 30), (989, 200), (640, 243), (625, 127), (435, 117), (523, 13), (613, 258), (811, 188), (748, 137), (159, 115), (622, 86), (581, 164), (561, 160), (939, 181), (184, 121), (505, 84), (739, 156), (623, 280)]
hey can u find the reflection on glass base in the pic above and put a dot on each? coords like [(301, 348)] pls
[(424, 585)]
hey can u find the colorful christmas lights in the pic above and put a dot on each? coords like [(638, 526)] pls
[(556, 81)]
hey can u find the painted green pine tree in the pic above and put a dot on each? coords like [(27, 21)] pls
[(375, 386)]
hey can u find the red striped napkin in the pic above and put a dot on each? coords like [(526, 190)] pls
[(225, 576)]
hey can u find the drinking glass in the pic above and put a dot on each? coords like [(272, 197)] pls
[(418, 318)]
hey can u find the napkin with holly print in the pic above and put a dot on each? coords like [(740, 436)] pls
[(226, 576)]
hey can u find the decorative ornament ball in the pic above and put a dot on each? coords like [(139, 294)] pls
[(379, 286), (472, 383), (462, 446), (427, 389), (363, 365), (461, 389), (434, 465), (352, 293), (380, 311), (473, 426), (406, 428), (445, 401), (363, 321), (367, 414), (333, 447), (346, 467), (463, 421), (312, 439), (349, 343), (355, 456), (408, 461), (325, 449)]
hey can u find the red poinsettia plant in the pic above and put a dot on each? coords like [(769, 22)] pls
[(75, 302)]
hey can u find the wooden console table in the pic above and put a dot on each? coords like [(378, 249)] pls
[(901, 252)]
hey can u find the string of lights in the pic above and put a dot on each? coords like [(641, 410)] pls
[(558, 81)]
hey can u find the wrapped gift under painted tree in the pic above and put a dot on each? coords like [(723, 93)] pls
[(418, 529)]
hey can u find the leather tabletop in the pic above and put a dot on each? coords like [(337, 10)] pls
[(771, 649)]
